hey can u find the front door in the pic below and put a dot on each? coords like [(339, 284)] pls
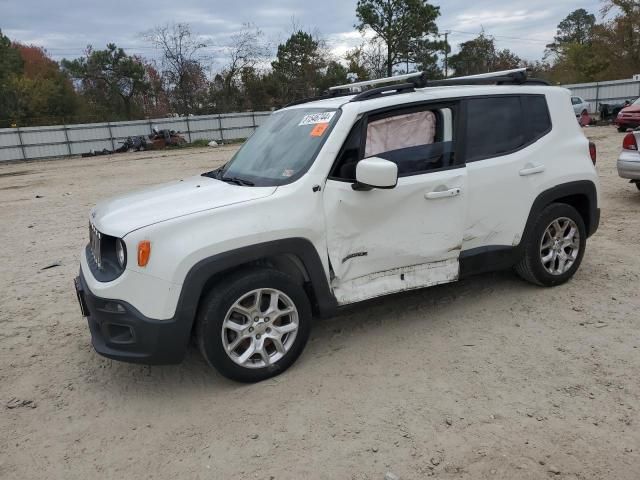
[(385, 241)]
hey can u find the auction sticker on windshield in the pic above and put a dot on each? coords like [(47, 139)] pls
[(319, 129), (315, 118)]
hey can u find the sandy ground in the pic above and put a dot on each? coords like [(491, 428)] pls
[(487, 378)]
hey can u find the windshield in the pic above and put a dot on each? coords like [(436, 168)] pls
[(282, 149), (637, 102)]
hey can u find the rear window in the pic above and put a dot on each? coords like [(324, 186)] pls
[(498, 126)]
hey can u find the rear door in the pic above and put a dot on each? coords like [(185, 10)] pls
[(506, 148)]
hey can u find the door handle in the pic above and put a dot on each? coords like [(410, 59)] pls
[(443, 194), (531, 170)]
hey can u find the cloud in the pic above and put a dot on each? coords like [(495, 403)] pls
[(65, 27)]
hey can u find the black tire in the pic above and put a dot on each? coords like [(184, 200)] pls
[(530, 266), (217, 303), (638, 185), (622, 129)]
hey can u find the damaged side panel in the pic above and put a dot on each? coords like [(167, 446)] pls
[(386, 241), (395, 280)]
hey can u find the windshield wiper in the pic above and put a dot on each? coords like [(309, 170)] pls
[(214, 173), (238, 181)]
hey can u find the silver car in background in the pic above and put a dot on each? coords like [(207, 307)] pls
[(629, 160)]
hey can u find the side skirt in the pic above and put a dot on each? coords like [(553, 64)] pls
[(394, 281)]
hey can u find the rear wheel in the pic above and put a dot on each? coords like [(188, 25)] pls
[(622, 129), (254, 325), (554, 250)]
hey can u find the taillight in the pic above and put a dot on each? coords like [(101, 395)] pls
[(629, 142), (593, 152)]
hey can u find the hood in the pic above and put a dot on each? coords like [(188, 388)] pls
[(122, 215), (631, 109)]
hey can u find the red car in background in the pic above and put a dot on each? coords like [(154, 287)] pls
[(629, 117)]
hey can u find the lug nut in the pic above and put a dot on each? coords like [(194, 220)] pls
[(266, 319), (256, 319), (258, 337), (268, 330), (250, 329)]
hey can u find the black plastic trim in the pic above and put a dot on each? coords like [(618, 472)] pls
[(487, 259), (157, 342)]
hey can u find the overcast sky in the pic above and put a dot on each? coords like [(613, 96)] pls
[(65, 27)]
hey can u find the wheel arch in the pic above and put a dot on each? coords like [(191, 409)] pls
[(581, 195), (296, 257)]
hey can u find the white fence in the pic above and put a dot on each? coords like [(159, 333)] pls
[(62, 140), (597, 93)]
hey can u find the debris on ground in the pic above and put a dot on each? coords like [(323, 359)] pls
[(53, 265), (16, 403)]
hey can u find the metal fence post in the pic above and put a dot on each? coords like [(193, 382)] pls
[(597, 109), (220, 128), (113, 145), (189, 129), (65, 129), (24, 155), (253, 120)]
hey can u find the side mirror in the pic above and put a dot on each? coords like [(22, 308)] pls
[(375, 172)]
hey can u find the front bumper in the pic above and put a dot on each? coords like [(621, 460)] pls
[(120, 332)]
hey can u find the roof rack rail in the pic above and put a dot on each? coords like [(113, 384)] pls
[(355, 87), (318, 97), (516, 76)]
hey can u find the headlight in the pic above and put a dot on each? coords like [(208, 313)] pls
[(121, 253)]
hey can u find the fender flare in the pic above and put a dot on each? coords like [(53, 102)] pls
[(581, 187), (207, 268)]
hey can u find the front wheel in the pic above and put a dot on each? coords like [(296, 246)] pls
[(554, 249), (254, 325)]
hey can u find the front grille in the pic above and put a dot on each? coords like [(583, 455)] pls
[(95, 240)]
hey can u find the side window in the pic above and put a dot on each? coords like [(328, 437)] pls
[(498, 126), (418, 141), (537, 116), (576, 101), (494, 127)]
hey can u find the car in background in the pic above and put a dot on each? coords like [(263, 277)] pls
[(629, 117), (580, 106), (629, 160)]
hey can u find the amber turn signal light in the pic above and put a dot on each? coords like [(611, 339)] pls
[(144, 252)]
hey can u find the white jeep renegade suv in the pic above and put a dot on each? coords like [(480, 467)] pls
[(338, 200)]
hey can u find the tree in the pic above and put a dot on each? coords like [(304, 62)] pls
[(397, 23), (576, 28), (110, 77), (11, 67), (480, 55), (298, 67), (245, 51), (182, 70), (586, 51), (423, 53), (45, 93)]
